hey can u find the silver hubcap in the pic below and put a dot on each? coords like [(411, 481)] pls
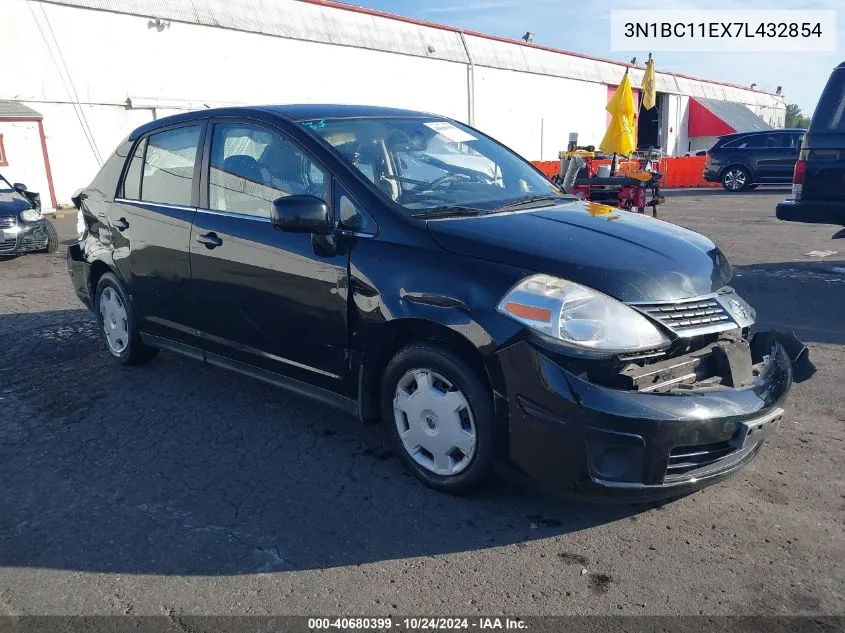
[(115, 324), (735, 179), (434, 422)]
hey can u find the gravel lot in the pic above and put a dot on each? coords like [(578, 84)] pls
[(178, 488)]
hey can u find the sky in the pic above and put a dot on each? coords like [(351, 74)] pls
[(584, 27)]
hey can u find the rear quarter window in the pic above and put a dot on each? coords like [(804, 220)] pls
[(736, 143), (829, 116), (105, 182)]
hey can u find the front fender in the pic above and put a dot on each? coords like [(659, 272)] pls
[(422, 293)]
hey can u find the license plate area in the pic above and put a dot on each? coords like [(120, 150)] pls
[(753, 431)]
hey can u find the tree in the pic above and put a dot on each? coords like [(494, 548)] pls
[(795, 118)]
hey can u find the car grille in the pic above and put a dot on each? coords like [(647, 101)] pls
[(687, 316), (8, 222), (33, 242), (7, 246), (684, 459)]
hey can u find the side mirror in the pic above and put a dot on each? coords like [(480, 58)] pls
[(301, 214), (19, 186)]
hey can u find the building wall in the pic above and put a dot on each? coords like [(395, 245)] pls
[(83, 61), (22, 145)]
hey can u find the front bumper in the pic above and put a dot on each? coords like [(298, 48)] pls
[(811, 212), (561, 429), (25, 237)]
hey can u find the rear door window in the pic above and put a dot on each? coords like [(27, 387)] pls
[(830, 113), (169, 166)]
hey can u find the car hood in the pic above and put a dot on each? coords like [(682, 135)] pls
[(626, 255), (12, 203)]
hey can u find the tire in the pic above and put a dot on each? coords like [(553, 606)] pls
[(114, 308), (736, 179), (464, 422), (52, 237)]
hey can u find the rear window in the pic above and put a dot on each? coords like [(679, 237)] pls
[(830, 112)]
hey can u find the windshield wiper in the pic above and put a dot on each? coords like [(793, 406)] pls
[(527, 200), (448, 212)]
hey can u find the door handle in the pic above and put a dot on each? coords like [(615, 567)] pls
[(210, 240), (121, 224)]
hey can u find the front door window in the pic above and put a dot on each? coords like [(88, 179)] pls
[(251, 166)]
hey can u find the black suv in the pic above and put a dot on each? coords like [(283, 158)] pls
[(744, 160), (818, 183), (410, 270)]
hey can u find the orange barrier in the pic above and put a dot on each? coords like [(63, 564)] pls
[(685, 171)]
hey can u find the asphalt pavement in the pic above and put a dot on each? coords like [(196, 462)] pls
[(177, 488)]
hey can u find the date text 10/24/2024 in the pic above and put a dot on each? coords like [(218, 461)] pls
[(416, 624)]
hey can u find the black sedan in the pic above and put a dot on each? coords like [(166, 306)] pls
[(412, 271), (22, 227)]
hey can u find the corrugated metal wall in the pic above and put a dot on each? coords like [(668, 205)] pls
[(303, 20), (98, 68)]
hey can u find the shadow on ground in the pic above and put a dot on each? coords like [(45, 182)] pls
[(180, 468)]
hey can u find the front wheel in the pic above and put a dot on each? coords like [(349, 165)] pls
[(440, 416), (735, 179), (52, 237), (118, 326)]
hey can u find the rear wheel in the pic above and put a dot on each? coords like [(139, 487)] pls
[(440, 416), (118, 325), (52, 237), (735, 179)]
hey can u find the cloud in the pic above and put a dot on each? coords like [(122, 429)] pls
[(471, 6)]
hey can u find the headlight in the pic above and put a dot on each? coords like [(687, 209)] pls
[(579, 316), (30, 215)]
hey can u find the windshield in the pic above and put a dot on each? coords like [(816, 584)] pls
[(5, 186), (430, 163)]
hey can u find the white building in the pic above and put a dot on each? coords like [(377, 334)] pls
[(95, 69)]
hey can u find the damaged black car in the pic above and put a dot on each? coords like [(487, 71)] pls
[(23, 229), (411, 271)]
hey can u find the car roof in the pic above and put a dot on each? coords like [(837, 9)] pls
[(759, 132), (293, 112)]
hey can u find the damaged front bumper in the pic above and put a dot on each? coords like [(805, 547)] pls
[(576, 436), (23, 237)]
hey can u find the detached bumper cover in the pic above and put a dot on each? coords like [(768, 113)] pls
[(673, 443), (811, 212), (79, 271)]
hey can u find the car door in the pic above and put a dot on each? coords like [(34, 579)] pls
[(775, 155), (264, 297), (150, 223)]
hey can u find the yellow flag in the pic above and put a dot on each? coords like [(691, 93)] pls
[(649, 85), (619, 137)]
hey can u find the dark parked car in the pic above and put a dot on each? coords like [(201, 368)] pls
[(22, 227), (818, 183), (744, 160), (410, 270)]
